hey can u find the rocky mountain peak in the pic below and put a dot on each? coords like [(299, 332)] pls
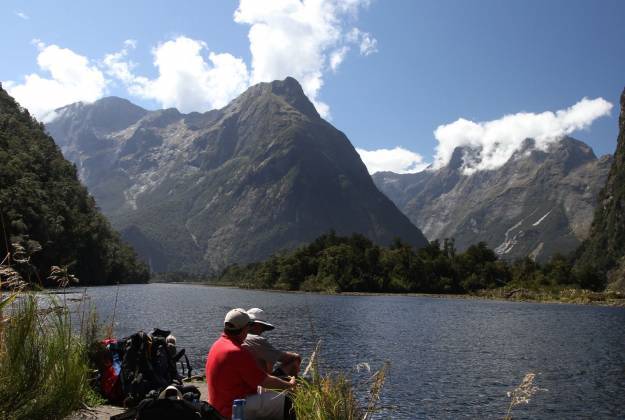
[(622, 116), (539, 202), (288, 90), (110, 113)]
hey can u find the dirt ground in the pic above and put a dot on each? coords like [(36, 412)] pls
[(104, 412)]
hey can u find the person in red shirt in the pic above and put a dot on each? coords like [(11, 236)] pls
[(232, 373)]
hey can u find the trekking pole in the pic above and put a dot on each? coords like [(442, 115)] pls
[(110, 335)]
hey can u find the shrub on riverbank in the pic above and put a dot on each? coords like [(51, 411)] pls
[(44, 371)]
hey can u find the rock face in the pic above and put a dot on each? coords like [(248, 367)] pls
[(197, 192), (605, 247), (537, 204)]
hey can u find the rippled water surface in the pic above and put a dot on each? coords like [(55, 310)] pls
[(450, 358)]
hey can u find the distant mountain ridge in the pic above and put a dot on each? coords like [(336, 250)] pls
[(537, 204), (197, 192)]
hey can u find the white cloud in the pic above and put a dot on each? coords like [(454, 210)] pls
[(497, 140), (116, 64), (337, 57), (22, 15), (300, 38), (72, 78), (297, 38), (367, 44), (186, 80), (398, 160)]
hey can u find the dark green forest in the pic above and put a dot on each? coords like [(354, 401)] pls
[(604, 248), (47, 217), (355, 264)]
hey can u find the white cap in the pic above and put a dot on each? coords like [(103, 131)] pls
[(257, 316), (236, 319)]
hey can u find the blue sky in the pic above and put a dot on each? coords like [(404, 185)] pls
[(387, 73)]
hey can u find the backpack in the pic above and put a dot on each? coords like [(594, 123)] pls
[(165, 357), (166, 409), (148, 365), (110, 369)]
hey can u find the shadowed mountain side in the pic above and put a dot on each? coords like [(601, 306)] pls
[(539, 203), (198, 192), (48, 218), (605, 247)]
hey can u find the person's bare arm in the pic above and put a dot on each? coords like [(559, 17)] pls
[(272, 382)]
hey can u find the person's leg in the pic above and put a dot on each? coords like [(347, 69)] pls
[(266, 406), (289, 412)]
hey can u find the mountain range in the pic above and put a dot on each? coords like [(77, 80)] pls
[(539, 203), (197, 192)]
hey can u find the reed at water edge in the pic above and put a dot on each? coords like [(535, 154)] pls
[(334, 396)]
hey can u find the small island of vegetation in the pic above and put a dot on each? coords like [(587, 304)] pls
[(338, 264)]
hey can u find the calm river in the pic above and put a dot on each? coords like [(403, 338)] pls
[(450, 358)]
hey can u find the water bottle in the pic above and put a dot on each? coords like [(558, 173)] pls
[(237, 409)]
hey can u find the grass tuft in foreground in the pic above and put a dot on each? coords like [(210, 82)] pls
[(334, 397), (44, 371)]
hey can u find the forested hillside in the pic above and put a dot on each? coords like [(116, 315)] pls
[(604, 250), (47, 216)]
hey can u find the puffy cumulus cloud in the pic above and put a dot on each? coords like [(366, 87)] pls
[(299, 38), (72, 78), (496, 141), (186, 80), (118, 66), (398, 160)]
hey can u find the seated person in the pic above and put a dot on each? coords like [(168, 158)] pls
[(232, 373), (265, 354)]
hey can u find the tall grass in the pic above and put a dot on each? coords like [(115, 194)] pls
[(44, 373), (334, 396)]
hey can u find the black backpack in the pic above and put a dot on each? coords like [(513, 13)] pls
[(165, 357), (147, 365), (166, 409)]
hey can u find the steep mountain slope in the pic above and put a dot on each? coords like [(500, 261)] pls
[(47, 211), (605, 247), (537, 204), (198, 192)]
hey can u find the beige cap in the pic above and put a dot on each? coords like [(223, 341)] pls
[(257, 316), (236, 319)]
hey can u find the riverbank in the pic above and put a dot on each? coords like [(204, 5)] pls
[(560, 296)]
